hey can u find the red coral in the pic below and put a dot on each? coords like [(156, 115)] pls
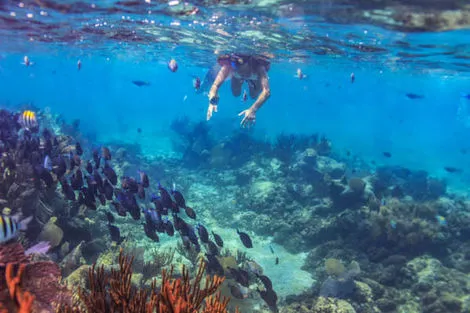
[(12, 253), (43, 280)]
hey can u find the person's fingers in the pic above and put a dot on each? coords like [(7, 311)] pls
[(241, 113)]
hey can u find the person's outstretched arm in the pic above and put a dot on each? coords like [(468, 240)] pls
[(213, 92), (265, 90), (250, 113)]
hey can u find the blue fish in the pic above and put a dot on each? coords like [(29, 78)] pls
[(414, 96), (140, 83), (154, 216)]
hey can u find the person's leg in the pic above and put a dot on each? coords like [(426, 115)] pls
[(236, 86), (255, 88)]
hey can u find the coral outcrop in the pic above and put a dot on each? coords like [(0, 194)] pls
[(113, 292), (27, 285)]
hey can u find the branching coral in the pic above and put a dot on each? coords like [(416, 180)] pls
[(160, 259), (35, 287), (190, 253), (113, 292), (19, 301), (180, 295)]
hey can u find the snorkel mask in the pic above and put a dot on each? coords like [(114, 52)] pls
[(231, 59)]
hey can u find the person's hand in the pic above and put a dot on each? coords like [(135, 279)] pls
[(213, 101), (211, 109), (249, 118)]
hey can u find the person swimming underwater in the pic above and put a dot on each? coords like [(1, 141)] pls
[(242, 68)]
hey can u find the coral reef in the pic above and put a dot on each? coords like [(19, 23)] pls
[(159, 260), (387, 221), (113, 292), (20, 301), (385, 239), (27, 285)]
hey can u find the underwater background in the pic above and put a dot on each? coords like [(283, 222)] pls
[(352, 187)]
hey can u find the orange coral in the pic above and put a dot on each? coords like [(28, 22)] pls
[(180, 296), (23, 300), (114, 293)]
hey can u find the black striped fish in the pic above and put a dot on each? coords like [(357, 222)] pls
[(28, 120), (10, 227)]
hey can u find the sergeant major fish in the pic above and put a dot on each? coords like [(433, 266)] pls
[(10, 227), (28, 120)]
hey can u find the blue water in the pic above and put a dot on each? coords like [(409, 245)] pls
[(368, 117)]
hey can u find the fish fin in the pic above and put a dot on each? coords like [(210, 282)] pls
[(24, 223), (16, 217)]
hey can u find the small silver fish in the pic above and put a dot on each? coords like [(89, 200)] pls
[(172, 65), (300, 74), (27, 61)]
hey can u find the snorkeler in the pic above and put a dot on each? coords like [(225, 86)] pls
[(242, 68)]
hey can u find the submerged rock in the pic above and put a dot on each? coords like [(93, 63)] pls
[(73, 260), (341, 285), (51, 233), (78, 278), (331, 167), (330, 305)]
